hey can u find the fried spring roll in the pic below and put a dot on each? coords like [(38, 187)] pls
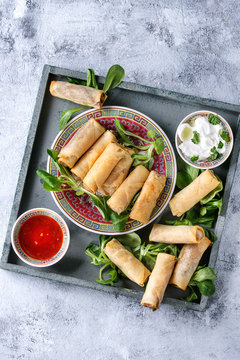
[(118, 174), (122, 197), (187, 263), (127, 262), (193, 193), (158, 281), (85, 163), (79, 94), (82, 140), (147, 199), (181, 234), (103, 166)]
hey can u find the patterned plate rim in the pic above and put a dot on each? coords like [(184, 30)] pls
[(173, 182)]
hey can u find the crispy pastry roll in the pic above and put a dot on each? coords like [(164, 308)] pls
[(127, 262), (85, 163), (187, 263), (103, 166), (147, 199), (122, 197), (158, 281), (79, 94), (181, 234), (118, 174), (82, 140), (193, 193)]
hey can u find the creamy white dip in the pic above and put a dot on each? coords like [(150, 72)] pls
[(209, 136)]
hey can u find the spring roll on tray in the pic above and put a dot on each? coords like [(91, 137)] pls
[(187, 263), (103, 166), (127, 262), (118, 174), (181, 234), (147, 199), (193, 193), (158, 281), (79, 94), (85, 163), (122, 197), (82, 140)]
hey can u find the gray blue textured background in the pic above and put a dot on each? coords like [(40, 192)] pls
[(186, 46)]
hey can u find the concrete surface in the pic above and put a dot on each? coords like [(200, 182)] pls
[(186, 46)]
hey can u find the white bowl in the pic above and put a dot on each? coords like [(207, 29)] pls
[(205, 164), (15, 241)]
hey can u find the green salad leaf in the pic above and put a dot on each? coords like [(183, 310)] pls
[(203, 279), (91, 79), (76, 81), (67, 114), (114, 77), (186, 173), (213, 193)]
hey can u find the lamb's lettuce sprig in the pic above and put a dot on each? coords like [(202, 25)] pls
[(202, 279)]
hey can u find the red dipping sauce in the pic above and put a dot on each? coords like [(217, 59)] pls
[(40, 237)]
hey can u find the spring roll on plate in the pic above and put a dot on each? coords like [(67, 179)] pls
[(187, 263), (147, 199), (82, 140), (127, 262), (193, 193), (158, 281), (79, 94), (122, 197), (118, 174), (181, 234), (85, 163), (103, 166)]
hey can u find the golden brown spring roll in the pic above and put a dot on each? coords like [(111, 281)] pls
[(158, 281), (82, 140), (127, 262), (187, 263), (122, 197), (193, 193), (85, 163), (79, 94), (103, 166), (181, 234), (147, 199), (118, 174)]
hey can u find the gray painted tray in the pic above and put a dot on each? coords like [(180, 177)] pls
[(166, 108)]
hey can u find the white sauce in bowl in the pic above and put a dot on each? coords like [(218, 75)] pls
[(209, 136)]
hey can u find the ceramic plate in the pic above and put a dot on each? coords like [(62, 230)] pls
[(80, 209)]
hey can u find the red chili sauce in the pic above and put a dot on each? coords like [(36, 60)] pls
[(40, 237)]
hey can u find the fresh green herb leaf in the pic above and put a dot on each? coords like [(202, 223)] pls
[(224, 135), (124, 135), (114, 77), (132, 241), (194, 158), (148, 253), (213, 119), (196, 137), (203, 210), (213, 205), (215, 154), (220, 145), (67, 114), (143, 159), (76, 81), (183, 180), (53, 154), (206, 287)]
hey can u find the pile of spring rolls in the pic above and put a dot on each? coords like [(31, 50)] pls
[(168, 269), (102, 164)]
